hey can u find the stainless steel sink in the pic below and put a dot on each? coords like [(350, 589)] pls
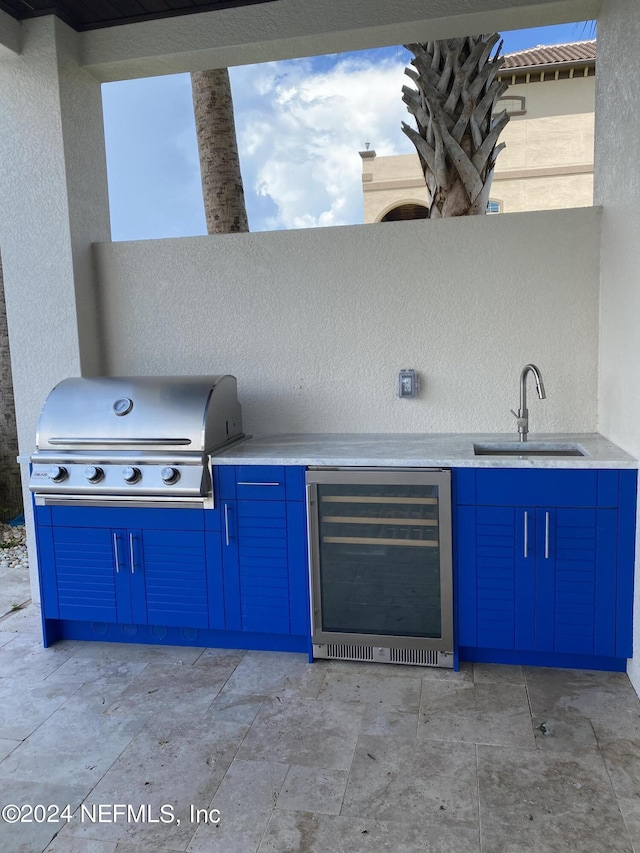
[(529, 448)]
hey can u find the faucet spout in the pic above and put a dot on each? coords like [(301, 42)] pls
[(522, 416)]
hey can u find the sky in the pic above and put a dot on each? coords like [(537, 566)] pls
[(300, 124)]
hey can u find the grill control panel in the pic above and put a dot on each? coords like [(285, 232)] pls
[(101, 477)]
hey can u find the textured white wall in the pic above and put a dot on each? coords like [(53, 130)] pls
[(315, 324), (617, 188), (53, 205)]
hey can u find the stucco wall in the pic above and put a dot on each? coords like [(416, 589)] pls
[(618, 190), (315, 324)]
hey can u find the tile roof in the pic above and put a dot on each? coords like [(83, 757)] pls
[(577, 51)]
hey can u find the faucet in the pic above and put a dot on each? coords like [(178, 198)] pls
[(522, 417)]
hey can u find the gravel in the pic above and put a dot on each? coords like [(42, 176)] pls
[(13, 548)]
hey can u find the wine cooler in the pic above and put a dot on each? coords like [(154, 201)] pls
[(381, 565)]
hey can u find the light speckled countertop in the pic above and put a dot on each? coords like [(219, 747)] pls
[(428, 450)]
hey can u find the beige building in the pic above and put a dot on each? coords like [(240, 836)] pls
[(548, 159)]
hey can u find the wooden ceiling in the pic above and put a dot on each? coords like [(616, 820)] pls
[(94, 14)]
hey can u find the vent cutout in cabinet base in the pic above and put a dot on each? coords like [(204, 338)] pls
[(380, 654)]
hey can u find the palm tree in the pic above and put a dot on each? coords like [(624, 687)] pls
[(457, 133), (10, 483), (222, 188)]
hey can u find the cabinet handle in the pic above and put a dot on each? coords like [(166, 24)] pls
[(526, 534), (226, 523), (133, 565), (546, 535), (257, 484), (115, 548)]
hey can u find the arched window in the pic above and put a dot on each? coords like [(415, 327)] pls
[(405, 211)]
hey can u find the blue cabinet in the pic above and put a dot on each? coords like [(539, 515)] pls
[(234, 576), (545, 566), (96, 567), (264, 549)]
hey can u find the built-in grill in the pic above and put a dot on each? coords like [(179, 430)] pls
[(133, 441)]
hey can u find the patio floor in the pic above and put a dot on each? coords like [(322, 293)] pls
[(326, 758)]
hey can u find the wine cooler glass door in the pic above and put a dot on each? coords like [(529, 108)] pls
[(382, 557)]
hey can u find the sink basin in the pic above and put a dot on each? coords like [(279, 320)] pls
[(529, 449)]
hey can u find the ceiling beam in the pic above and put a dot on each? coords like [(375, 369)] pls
[(289, 28)]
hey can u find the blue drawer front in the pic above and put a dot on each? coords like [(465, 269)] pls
[(542, 487), (260, 482)]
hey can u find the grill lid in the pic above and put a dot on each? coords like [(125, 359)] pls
[(144, 413)]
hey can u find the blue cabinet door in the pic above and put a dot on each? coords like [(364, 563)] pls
[(169, 578), (264, 549), (256, 566), (85, 575), (500, 577), (576, 581)]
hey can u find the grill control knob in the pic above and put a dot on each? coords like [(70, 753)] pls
[(170, 475), (93, 473), (57, 473), (131, 474)]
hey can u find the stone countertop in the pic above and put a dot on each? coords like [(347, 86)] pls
[(418, 450)]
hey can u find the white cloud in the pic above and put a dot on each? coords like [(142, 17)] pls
[(300, 125)]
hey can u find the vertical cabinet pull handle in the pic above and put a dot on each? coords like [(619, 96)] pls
[(526, 534), (226, 523), (546, 535), (133, 564), (117, 555)]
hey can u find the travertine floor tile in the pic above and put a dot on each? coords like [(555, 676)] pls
[(549, 800), (26, 704), (189, 690), (309, 789), (396, 779), (245, 801), (476, 713), (168, 763), (622, 758), (69, 748), (24, 657), (554, 692), (386, 689), (564, 734), (33, 837), (268, 673), (377, 720), (493, 673), (304, 732), (304, 832)]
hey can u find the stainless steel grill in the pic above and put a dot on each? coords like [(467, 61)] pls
[(138, 440)]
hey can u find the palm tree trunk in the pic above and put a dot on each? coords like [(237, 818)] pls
[(10, 482), (222, 189), (453, 106)]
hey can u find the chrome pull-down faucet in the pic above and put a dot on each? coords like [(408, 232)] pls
[(522, 417)]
